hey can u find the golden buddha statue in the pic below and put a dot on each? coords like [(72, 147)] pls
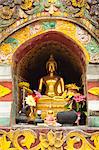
[(54, 84), (54, 92)]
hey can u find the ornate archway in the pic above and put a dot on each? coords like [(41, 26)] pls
[(30, 58), (27, 36)]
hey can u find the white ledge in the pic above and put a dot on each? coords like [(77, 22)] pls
[(92, 77), (5, 72)]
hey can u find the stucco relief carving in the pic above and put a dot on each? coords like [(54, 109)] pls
[(82, 11), (48, 139), (79, 35)]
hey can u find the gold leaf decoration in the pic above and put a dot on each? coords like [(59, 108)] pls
[(19, 138), (27, 4), (79, 3), (29, 138), (95, 138), (51, 141), (72, 86), (4, 91), (23, 84), (44, 140), (74, 137), (94, 91), (51, 138), (4, 144)]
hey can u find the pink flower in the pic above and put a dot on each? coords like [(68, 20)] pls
[(37, 94), (79, 98)]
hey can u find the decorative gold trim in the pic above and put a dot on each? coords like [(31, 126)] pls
[(69, 30), (94, 91), (48, 140), (4, 91)]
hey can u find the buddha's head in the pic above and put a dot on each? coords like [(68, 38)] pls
[(50, 112), (51, 64)]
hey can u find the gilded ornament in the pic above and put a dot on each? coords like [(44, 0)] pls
[(26, 4), (72, 86), (38, 14), (67, 28), (78, 3), (51, 140), (4, 91), (52, 1), (6, 12), (32, 7), (23, 84), (4, 144), (94, 91), (95, 138), (6, 48), (29, 138), (74, 137), (22, 35), (58, 13), (80, 13)]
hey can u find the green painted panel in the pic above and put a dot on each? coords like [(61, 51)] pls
[(4, 121)]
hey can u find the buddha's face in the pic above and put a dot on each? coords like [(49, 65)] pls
[(51, 67)]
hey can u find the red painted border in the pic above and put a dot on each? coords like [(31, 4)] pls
[(7, 97)]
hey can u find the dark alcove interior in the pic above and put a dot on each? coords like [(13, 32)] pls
[(33, 65)]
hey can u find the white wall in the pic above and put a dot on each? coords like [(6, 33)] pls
[(5, 72), (93, 72)]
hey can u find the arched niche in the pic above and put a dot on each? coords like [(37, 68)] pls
[(29, 61)]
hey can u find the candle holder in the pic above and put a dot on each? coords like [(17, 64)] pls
[(38, 118)]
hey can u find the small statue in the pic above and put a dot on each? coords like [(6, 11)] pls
[(54, 84), (50, 119)]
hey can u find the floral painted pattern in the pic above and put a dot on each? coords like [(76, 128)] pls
[(6, 12)]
